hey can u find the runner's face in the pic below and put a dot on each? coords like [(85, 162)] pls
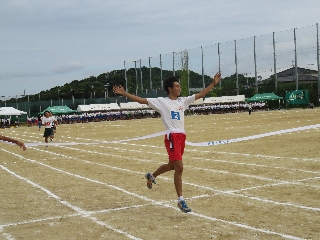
[(176, 90)]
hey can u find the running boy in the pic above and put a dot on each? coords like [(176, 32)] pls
[(47, 122), (172, 110)]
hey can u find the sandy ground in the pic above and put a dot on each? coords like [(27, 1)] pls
[(263, 188)]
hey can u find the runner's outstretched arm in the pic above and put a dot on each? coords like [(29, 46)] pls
[(7, 139), (206, 90), (119, 90)]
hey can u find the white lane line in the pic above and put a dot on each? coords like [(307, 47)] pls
[(268, 157), (80, 211), (198, 158), (197, 144), (208, 151), (231, 192), (186, 150), (201, 169), (86, 214), (93, 212)]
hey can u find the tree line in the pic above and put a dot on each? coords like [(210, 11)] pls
[(98, 86)]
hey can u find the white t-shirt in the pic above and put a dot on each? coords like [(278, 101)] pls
[(172, 111), (47, 122)]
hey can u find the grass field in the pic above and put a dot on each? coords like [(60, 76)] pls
[(264, 188)]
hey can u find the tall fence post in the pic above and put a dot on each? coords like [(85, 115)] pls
[(188, 72), (173, 71), (135, 69), (236, 63), (202, 68), (295, 60), (255, 65), (125, 75), (219, 63), (275, 65), (161, 77), (150, 73), (141, 78), (318, 62)]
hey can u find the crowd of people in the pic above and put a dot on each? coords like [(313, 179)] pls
[(97, 116), (5, 122), (226, 108), (114, 115)]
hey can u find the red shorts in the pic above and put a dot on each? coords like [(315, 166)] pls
[(175, 143)]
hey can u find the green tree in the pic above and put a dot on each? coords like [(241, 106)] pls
[(183, 74)]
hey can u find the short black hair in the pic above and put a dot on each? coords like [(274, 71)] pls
[(169, 82)]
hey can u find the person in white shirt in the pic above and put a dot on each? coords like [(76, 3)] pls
[(47, 122), (172, 110)]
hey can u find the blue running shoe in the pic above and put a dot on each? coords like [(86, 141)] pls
[(150, 180), (183, 206)]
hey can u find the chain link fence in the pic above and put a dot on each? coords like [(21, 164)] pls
[(257, 57)]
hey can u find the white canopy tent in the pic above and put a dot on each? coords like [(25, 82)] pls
[(98, 107), (136, 105), (133, 105), (224, 99), (84, 108), (213, 100), (9, 111), (237, 98), (197, 102)]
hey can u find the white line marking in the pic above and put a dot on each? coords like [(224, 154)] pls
[(85, 214), (92, 212), (268, 134), (232, 192), (198, 144), (75, 208)]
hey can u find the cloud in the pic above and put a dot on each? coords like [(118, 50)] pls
[(38, 38), (18, 74), (69, 67)]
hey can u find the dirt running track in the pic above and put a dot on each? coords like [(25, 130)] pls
[(263, 188)]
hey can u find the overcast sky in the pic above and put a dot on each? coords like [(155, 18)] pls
[(45, 43)]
